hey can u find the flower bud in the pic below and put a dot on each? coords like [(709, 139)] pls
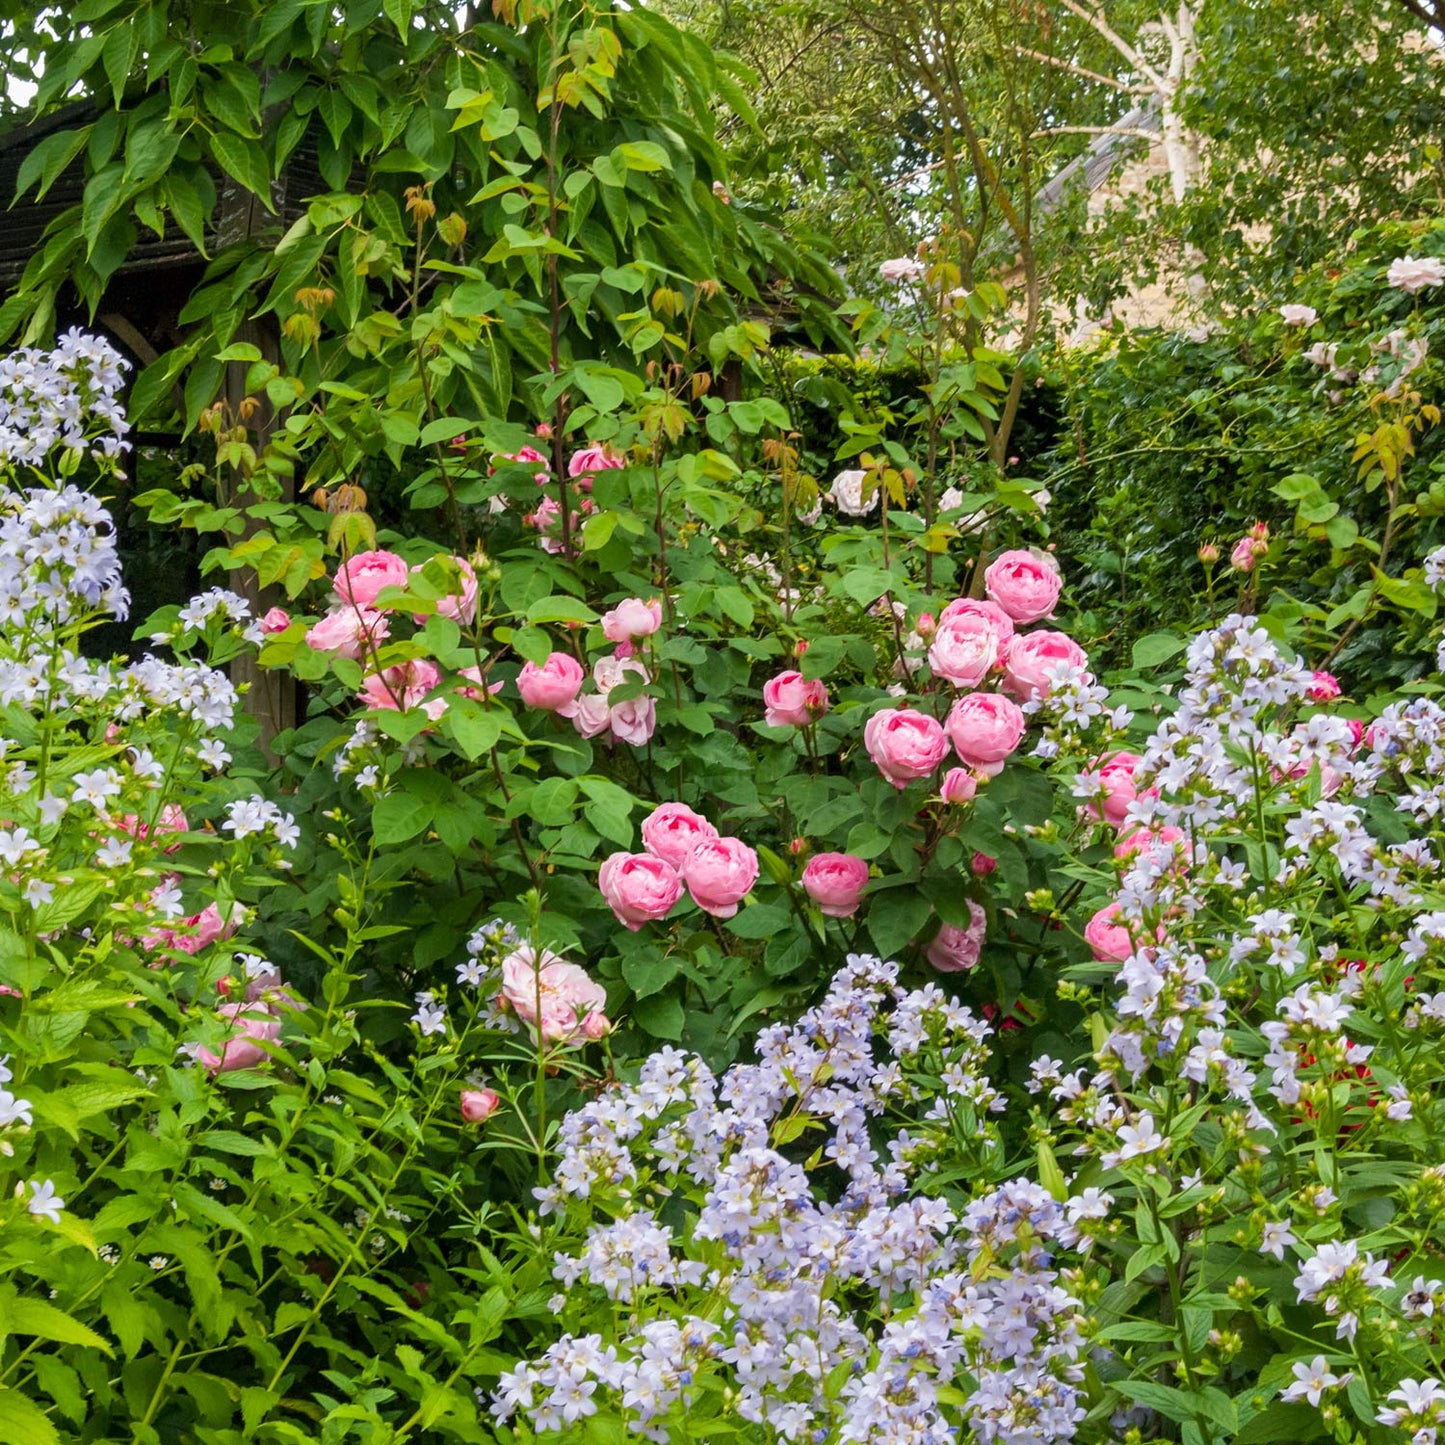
[(1208, 553), (478, 1105)]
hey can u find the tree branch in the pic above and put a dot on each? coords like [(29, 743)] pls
[(1086, 74), (1095, 19), (1134, 130)]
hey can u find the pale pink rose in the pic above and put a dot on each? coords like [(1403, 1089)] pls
[(632, 618), (249, 1028), (672, 830), (1324, 687), (459, 606), (171, 819), (1025, 586), (792, 700), (1107, 938), (1033, 657), (902, 268), (360, 579), (1150, 842), (1243, 558), (350, 632), (927, 622), (1295, 314), (956, 950), (589, 713), (638, 887), (596, 1026), (1412, 274), (476, 678), (999, 620), (588, 460), (478, 1105), (720, 873), (633, 722), (553, 685), (610, 672), (565, 992), (964, 649), (276, 620), (835, 882), (904, 744), (985, 728), (1116, 773), (403, 687), (959, 786)]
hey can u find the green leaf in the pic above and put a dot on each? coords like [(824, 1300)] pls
[(1157, 647), (22, 1423), (244, 161), (400, 816), (44, 1322), (759, 920), (650, 972), (560, 609), (896, 916), (865, 585), (661, 1016)]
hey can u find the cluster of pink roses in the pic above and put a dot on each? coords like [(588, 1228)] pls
[(556, 684), (359, 623), (556, 998), (682, 850), (582, 467), (974, 639)]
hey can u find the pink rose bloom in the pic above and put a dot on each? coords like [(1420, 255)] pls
[(1357, 731), (1107, 938), (638, 887), (478, 1105), (720, 873), (1146, 840), (956, 950), (596, 1026), (1031, 658), (1324, 687), (672, 830), (553, 685), (567, 995), (403, 687), (530, 456), (1116, 773), (959, 786), (170, 820), (984, 728), (193, 934), (1242, 559), (632, 618), (999, 620), (589, 714), (361, 578), (1025, 586), (610, 672), (904, 744), (983, 865), (242, 1050), (793, 701), (835, 882), (632, 722), (594, 459), (350, 632), (964, 649), (459, 606), (276, 620)]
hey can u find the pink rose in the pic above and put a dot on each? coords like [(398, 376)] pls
[(964, 649), (403, 687), (529, 456), (478, 1105), (720, 873), (1149, 842), (1116, 773), (589, 714), (276, 620), (361, 578), (350, 632), (982, 865), (594, 459), (793, 701), (1324, 687), (1032, 658), (171, 819), (959, 786), (193, 934), (999, 620), (632, 722), (672, 830), (596, 1026), (553, 685), (632, 618), (1024, 585), (835, 882), (476, 678), (1107, 938), (242, 1050), (1243, 557), (984, 728), (956, 950), (904, 744), (566, 994), (459, 606), (638, 887)]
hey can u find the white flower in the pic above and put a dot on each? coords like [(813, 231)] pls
[(1296, 315), (45, 1202), (1311, 1381), (903, 268), (1413, 274), (1276, 1237), (846, 494)]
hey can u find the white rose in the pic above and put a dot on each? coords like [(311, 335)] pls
[(1299, 315), (1415, 273), (847, 494), (902, 268)]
